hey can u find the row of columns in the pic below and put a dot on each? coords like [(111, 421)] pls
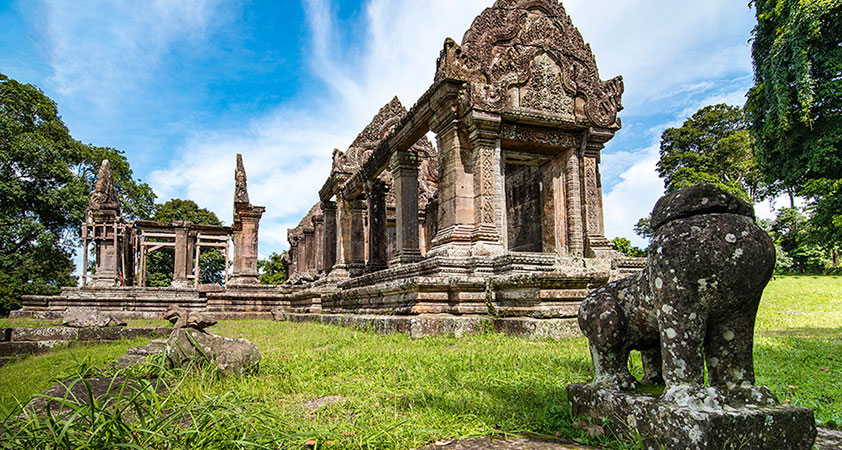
[(341, 231)]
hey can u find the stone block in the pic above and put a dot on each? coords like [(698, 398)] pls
[(662, 424)]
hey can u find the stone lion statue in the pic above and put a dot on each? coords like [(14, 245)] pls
[(695, 302)]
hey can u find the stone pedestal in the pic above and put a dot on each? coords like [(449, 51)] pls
[(666, 425)]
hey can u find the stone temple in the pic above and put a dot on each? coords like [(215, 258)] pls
[(501, 218)]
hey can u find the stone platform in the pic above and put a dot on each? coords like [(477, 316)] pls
[(124, 302), (422, 325), (666, 425)]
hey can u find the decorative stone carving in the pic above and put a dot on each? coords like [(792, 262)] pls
[(246, 227), (241, 193), (105, 198), (527, 54), (694, 304)]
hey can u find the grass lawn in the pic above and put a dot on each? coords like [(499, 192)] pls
[(397, 392)]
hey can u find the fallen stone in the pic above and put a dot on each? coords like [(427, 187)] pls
[(90, 317), (77, 393), (138, 355), (191, 348), (507, 444)]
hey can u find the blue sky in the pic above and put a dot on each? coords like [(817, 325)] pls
[(182, 86)]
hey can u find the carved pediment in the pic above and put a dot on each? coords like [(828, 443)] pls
[(528, 55)]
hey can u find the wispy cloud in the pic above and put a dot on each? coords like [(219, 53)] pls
[(104, 48)]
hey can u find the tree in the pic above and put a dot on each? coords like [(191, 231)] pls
[(623, 245), (643, 228), (160, 263), (795, 106), (713, 146), (272, 269), (46, 178), (794, 237)]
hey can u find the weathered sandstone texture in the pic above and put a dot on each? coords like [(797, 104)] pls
[(693, 305)]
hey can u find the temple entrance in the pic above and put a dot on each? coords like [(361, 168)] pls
[(523, 207)]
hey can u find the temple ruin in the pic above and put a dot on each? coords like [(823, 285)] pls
[(503, 217)]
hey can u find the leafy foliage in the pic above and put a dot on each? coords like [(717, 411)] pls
[(160, 263), (795, 106), (713, 146), (623, 245), (272, 269), (45, 180), (643, 228), (794, 237)]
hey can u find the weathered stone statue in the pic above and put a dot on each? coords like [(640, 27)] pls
[(695, 302)]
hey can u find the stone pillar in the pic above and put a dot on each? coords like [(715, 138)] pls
[(356, 264), (301, 257), (293, 256), (246, 225), (179, 278), (575, 232), (318, 242), (343, 239), (484, 138), (593, 197), (105, 251), (245, 245), (309, 249), (376, 193), (329, 237), (103, 216), (404, 166), (554, 211)]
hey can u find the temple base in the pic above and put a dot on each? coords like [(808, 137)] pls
[(662, 424)]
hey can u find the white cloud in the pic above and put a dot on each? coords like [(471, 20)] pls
[(670, 54), (104, 48), (633, 197)]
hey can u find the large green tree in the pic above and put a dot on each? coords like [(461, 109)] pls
[(795, 106), (160, 262), (713, 146), (46, 178)]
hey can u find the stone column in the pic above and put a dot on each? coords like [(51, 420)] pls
[(343, 239), (484, 138), (376, 193), (356, 265), (105, 251), (318, 242), (554, 212), (245, 245), (593, 196), (293, 256), (179, 278), (301, 257), (575, 232), (404, 166), (309, 249), (329, 237)]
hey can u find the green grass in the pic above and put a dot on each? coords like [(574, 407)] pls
[(31, 375), (403, 393)]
